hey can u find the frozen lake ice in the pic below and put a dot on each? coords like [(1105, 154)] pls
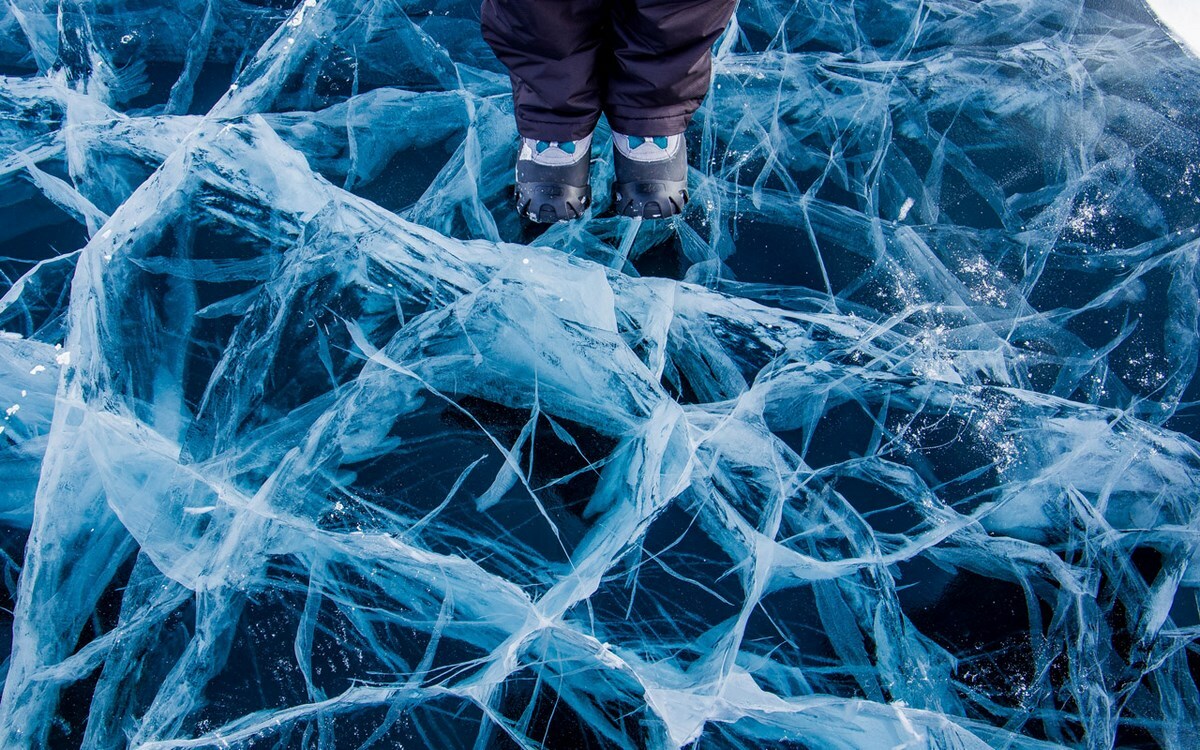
[(888, 442)]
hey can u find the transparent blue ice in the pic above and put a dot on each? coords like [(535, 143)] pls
[(889, 442)]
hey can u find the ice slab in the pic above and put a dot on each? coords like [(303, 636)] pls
[(889, 441)]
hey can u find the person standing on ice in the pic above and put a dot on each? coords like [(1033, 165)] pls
[(646, 64)]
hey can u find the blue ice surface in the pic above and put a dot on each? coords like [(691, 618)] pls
[(890, 442)]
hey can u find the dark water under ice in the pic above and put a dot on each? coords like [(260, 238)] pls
[(889, 442)]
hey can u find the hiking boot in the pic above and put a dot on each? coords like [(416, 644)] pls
[(651, 175), (552, 179)]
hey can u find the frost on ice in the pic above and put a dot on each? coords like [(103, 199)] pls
[(890, 442)]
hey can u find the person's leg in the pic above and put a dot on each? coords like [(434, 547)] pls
[(661, 62), (657, 75), (550, 48)]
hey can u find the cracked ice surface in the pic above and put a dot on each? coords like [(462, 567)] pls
[(890, 443)]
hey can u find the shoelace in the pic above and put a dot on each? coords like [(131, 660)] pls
[(636, 140), (564, 146)]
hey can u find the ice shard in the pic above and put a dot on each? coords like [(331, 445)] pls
[(890, 441)]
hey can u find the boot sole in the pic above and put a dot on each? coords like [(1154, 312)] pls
[(656, 199), (550, 202)]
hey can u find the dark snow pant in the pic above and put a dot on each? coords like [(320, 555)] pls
[(645, 63)]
